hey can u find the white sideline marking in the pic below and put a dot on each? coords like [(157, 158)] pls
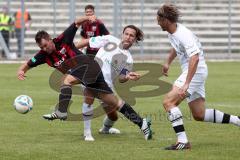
[(11, 62)]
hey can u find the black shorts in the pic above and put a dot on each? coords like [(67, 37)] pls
[(89, 73)]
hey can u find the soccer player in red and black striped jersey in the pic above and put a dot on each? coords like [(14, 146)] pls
[(62, 54), (92, 29), (54, 51)]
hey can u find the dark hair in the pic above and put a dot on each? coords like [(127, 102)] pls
[(170, 12), (41, 35), (89, 7), (139, 32)]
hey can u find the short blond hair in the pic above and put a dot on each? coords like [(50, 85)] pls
[(169, 11)]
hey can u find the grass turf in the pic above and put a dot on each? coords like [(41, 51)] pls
[(28, 136)]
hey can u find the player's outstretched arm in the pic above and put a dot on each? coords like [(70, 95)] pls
[(79, 21), (171, 57), (22, 70), (82, 43), (129, 76)]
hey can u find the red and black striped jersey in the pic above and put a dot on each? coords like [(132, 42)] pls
[(94, 29), (65, 49)]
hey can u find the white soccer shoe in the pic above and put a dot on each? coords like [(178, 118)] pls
[(88, 136), (146, 129), (110, 131)]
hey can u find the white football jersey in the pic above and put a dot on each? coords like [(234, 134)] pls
[(186, 45), (111, 57)]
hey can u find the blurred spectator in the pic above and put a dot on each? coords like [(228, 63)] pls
[(5, 27), (18, 26)]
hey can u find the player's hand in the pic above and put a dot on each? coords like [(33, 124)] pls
[(21, 75), (183, 91), (133, 76), (92, 18), (165, 69)]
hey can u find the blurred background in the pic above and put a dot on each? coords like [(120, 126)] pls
[(216, 23)]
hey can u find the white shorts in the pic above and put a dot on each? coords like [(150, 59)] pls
[(197, 85)]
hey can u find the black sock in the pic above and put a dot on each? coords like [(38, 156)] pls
[(130, 114), (64, 98)]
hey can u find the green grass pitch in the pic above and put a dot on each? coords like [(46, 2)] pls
[(29, 137)]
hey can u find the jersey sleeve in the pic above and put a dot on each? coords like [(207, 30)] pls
[(38, 59), (98, 42), (103, 29), (190, 44), (126, 69), (82, 32), (128, 66), (69, 34)]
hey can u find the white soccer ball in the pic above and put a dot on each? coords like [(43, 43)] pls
[(23, 104)]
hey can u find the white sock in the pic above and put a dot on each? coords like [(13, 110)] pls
[(212, 115), (216, 116), (107, 123), (175, 116), (87, 111)]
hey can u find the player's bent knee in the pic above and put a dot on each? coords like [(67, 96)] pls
[(70, 80), (167, 104), (198, 117)]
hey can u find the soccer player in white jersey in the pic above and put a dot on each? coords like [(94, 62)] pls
[(190, 84), (116, 62)]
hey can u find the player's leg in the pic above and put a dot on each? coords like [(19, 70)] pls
[(129, 113), (143, 123), (87, 111), (109, 121), (197, 108), (170, 103), (175, 115), (64, 98), (200, 113)]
